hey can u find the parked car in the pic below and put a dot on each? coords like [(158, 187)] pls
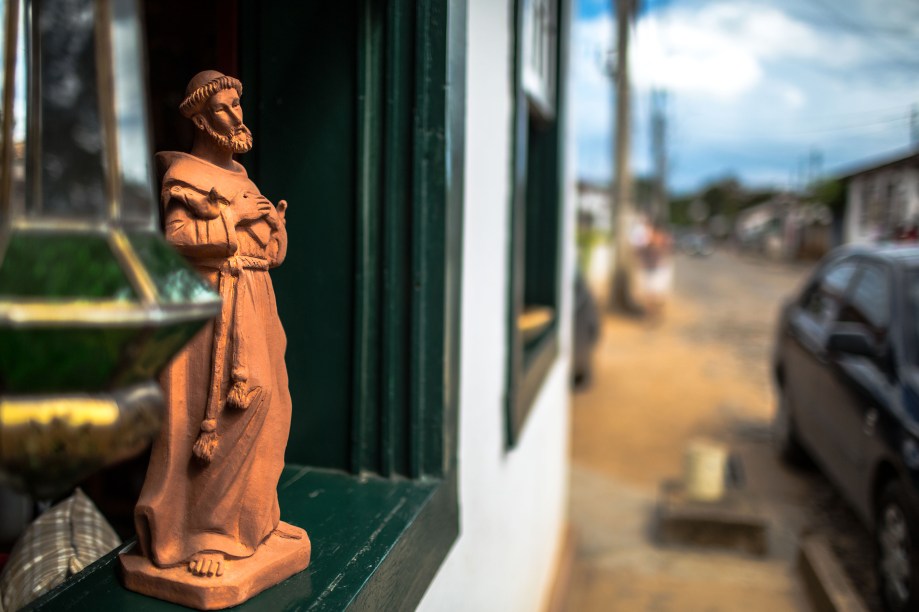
[(696, 244), (846, 369)]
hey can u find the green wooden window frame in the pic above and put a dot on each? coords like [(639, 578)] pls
[(537, 196), (382, 525), (357, 291)]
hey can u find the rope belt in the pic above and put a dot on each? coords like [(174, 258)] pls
[(240, 395), (234, 264)]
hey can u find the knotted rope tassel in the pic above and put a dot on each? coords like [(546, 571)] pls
[(208, 439), (241, 396), (206, 444)]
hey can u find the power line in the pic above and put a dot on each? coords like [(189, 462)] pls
[(822, 117), (778, 135), (855, 114), (842, 128), (867, 27), (843, 20), (914, 125)]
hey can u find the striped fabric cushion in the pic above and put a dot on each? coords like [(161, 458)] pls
[(57, 545)]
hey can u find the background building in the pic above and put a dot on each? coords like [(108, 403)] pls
[(882, 199)]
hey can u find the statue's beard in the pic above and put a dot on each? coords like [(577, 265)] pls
[(240, 141)]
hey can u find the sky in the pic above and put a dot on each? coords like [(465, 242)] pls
[(768, 91)]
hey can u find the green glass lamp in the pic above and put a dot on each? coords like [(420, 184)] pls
[(93, 301)]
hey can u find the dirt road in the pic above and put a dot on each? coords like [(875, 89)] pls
[(702, 371)]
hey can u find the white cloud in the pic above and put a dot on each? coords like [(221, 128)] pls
[(793, 97), (756, 84), (725, 49), (682, 56)]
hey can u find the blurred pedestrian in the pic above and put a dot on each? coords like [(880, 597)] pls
[(656, 274)]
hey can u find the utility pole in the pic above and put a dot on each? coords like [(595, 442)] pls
[(802, 174), (816, 167), (660, 211), (914, 126), (621, 202)]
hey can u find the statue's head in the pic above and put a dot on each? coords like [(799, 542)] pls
[(212, 103)]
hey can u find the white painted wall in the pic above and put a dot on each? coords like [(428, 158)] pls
[(905, 190), (513, 504), (910, 187), (851, 224)]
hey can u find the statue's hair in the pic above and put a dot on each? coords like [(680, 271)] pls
[(193, 102)]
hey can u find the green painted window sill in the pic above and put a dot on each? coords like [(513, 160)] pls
[(538, 356), (376, 545)]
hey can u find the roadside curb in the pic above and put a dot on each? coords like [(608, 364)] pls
[(734, 522), (826, 583)]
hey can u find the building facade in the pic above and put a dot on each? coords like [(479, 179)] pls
[(882, 200)]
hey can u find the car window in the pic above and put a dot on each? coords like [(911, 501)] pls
[(911, 321), (869, 301), (837, 277), (822, 297)]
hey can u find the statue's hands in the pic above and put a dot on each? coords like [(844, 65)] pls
[(273, 219), (250, 207), (276, 216), (282, 210)]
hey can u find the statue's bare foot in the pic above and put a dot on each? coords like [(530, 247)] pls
[(207, 564)]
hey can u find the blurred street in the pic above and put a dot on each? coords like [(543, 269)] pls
[(701, 371)]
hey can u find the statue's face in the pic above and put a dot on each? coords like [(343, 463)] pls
[(222, 118), (224, 111)]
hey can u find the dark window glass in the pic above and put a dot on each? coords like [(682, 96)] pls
[(869, 302), (535, 213), (819, 304), (823, 296), (837, 278), (65, 122), (912, 320)]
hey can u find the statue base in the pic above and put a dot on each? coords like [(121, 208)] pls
[(277, 559)]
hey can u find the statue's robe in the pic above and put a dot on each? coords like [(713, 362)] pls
[(229, 505)]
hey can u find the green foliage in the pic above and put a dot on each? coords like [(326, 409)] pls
[(587, 241), (831, 193), (723, 197), (679, 210), (726, 197)]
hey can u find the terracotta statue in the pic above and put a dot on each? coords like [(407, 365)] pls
[(208, 522)]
